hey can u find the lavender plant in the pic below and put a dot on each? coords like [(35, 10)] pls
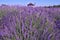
[(28, 23)]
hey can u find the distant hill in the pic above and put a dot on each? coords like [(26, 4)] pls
[(52, 6), (30, 4)]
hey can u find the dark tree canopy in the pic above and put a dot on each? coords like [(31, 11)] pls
[(30, 4)]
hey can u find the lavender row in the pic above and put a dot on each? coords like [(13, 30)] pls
[(29, 23)]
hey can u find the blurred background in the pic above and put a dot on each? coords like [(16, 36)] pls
[(36, 2)]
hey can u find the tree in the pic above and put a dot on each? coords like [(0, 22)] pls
[(30, 4)]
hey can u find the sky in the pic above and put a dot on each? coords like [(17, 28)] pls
[(25, 2)]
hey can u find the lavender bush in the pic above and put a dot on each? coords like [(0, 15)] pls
[(29, 23)]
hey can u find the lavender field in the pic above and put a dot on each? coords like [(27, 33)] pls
[(29, 23)]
